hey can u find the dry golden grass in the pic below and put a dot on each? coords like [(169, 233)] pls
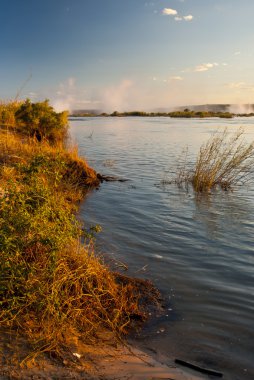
[(16, 150), (225, 160), (7, 113), (51, 286), (77, 295)]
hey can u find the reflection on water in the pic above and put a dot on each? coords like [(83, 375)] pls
[(199, 251), (213, 210)]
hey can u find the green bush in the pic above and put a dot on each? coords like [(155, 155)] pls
[(7, 113), (41, 121)]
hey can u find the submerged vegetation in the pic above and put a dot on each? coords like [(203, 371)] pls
[(51, 284), (224, 160)]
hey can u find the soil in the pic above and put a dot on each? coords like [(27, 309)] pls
[(105, 361)]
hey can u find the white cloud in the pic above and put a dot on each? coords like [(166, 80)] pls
[(237, 53), (169, 12), (205, 66), (237, 85), (176, 78), (188, 18), (240, 86), (173, 12)]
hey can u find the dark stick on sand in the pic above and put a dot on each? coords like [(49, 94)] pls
[(207, 371)]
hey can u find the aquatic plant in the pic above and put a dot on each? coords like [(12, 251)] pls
[(225, 160)]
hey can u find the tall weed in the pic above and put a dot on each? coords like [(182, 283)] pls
[(225, 160)]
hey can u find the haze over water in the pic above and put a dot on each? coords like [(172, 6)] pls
[(197, 250)]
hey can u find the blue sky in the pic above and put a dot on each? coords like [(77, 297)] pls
[(127, 54)]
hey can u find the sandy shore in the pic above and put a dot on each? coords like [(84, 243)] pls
[(126, 363), (98, 362)]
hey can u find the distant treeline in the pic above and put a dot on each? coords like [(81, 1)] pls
[(177, 114)]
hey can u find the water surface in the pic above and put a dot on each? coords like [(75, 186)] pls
[(199, 251)]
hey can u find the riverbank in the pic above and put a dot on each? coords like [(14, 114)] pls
[(58, 299), (54, 289), (105, 361)]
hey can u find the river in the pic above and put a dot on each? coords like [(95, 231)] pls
[(199, 251)]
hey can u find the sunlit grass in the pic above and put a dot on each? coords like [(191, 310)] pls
[(51, 285), (7, 113), (224, 161)]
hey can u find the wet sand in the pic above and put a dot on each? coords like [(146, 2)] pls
[(91, 362)]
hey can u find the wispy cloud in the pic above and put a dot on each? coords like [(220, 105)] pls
[(188, 18), (169, 12), (173, 78), (240, 86), (33, 95), (176, 78), (233, 85), (205, 66), (174, 12), (237, 53)]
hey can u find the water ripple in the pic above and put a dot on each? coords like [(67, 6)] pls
[(198, 251)]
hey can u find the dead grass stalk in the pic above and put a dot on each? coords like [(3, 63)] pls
[(225, 160)]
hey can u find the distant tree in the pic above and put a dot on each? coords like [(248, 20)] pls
[(115, 113), (40, 120)]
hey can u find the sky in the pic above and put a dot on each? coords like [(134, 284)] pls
[(127, 54)]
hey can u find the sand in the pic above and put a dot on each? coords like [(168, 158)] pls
[(91, 362)]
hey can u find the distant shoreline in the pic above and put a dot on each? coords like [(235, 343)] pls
[(186, 114)]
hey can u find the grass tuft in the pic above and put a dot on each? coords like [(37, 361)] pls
[(225, 160)]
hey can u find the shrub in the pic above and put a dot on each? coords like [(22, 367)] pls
[(7, 113), (41, 121)]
